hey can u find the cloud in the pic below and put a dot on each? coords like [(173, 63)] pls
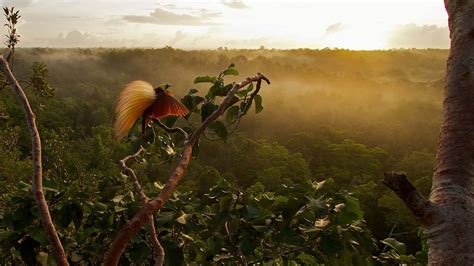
[(415, 36), (79, 39), (73, 38), (333, 28), (237, 4), (178, 37), (164, 17)]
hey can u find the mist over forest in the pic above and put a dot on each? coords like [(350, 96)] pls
[(345, 115)]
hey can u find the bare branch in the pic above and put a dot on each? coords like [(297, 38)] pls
[(158, 249), (252, 96), (136, 223), (414, 200), (172, 129), (37, 187)]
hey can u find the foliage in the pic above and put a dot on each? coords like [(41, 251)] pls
[(12, 17), (39, 81), (314, 127)]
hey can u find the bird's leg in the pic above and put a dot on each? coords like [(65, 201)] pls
[(144, 122)]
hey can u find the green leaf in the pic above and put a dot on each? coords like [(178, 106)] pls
[(307, 259), (219, 128), (50, 185), (139, 252), (186, 236), (182, 218), (42, 258), (219, 90), (99, 206), (243, 93), (119, 209), (164, 217), (258, 103), (207, 109), (169, 121), (352, 205), (230, 71), (6, 234), (192, 91), (39, 235), (399, 247), (23, 186), (174, 253), (252, 212), (118, 198), (65, 217), (192, 102), (261, 228), (232, 114), (203, 79)]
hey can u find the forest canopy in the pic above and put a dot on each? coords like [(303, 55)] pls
[(332, 123)]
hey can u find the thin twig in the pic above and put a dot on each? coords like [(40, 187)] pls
[(172, 129), (241, 256), (37, 187), (136, 223), (157, 247)]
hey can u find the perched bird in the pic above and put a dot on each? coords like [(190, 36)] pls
[(139, 98)]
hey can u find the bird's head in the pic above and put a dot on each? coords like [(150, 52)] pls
[(162, 88)]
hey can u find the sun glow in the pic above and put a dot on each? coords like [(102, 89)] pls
[(358, 37), (208, 24)]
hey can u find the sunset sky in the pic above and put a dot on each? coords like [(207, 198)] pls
[(377, 24)]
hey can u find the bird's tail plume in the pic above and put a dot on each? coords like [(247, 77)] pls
[(134, 99)]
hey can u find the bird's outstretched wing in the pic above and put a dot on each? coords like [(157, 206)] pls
[(134, 99), (167, 105)]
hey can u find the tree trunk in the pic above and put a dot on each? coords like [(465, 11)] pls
[(451, 237), (448, 215)]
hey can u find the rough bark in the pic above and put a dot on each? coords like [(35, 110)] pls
[(451, 238), (414, 200), (449, 214), (37, 187), (151, 207)]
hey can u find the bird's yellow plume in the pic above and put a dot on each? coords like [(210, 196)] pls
[(134, 99)]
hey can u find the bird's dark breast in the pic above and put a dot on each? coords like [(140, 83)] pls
[(159, 91)]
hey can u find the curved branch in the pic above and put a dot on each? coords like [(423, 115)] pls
[(136, 223), (158, 248), (37, 187), (172, 129)]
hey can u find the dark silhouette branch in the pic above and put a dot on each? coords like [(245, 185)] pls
[(136, 223), (159, 251), (37, 187), (252, 96), (413, 199), (172, 129)]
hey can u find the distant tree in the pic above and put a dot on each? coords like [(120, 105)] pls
[(447, 216)]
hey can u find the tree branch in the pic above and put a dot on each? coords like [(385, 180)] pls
[(172, 129), (37, 187), (413, 199), (158, 248), (136, 223)]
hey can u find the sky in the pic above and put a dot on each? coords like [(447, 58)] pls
[(199, 24)]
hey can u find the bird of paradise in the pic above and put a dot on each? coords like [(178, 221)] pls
[(139, 98)]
